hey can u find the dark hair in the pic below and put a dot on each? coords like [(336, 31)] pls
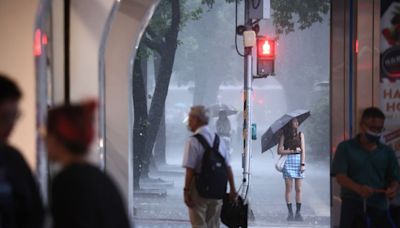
[(8, 89), (372, 112), (292, 139), (73, 126)]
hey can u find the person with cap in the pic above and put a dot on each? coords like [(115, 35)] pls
[(203, 212), (20, 202), (82, 195)]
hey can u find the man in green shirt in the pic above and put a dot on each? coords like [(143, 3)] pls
[(367, 172)]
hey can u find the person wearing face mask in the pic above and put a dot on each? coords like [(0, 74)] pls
[(368, 174)]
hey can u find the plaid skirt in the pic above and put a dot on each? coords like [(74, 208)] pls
[(291, 169)]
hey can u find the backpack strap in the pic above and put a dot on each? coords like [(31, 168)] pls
[(207, 147), (216, 143), (202, 140)]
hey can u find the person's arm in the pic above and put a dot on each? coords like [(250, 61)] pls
[(190, 159), (303, 153), (391, 191), (281, 149), (186, 190), (394, 173), (346, 182), (339, 169), (232, 188)]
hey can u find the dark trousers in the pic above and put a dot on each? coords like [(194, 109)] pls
[(352, 216), (395, 213)]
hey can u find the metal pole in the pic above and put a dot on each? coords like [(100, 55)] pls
[(247, 110), (67, 29), (42, 164), (102, 87)]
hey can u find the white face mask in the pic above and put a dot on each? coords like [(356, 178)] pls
[(372, 136)]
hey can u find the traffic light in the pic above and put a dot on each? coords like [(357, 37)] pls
[(265, 56)]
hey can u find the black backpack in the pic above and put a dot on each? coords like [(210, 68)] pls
[(212, 180)]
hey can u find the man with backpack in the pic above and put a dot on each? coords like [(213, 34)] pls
[(20, 202), (208, 169)]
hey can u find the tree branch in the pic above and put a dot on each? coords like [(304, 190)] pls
[(155, 46), (175, 22), (151, 32)]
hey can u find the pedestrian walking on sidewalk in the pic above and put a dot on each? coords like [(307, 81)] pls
[(291, 144), (204, 210), (368, 174)]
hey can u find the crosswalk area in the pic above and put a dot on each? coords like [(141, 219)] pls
[(266, 197)]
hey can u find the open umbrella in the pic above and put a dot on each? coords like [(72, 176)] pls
[(216, 108), (271, 137)]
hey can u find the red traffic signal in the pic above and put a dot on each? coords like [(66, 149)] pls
[(265, 48)]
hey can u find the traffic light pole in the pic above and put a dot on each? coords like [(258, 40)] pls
[(247, 109)]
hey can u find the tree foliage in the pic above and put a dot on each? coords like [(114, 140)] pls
[(317, 127), (287, 13), (162, 22), (161, 37)]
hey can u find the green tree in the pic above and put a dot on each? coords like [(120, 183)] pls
[(160, 37), (317, 127), (210, 56)]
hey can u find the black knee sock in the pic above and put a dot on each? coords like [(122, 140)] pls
[(289, 207), (298, 207)]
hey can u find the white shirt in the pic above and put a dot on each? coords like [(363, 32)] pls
[(194, 151)]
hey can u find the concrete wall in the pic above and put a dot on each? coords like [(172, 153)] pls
[(130, 20), (17, 19), (87, 21)]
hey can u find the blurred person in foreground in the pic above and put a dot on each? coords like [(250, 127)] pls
[(20, 201), (395, 202), (368, 174), (203, 211), (82, 195)]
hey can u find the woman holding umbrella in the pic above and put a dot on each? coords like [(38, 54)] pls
[(291, 144)]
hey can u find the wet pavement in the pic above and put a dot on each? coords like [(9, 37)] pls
[(266, 195)]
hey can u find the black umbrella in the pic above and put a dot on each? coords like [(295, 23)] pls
[(216, 108), (271, 137)]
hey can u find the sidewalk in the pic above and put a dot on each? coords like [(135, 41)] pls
[(266, 197)]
